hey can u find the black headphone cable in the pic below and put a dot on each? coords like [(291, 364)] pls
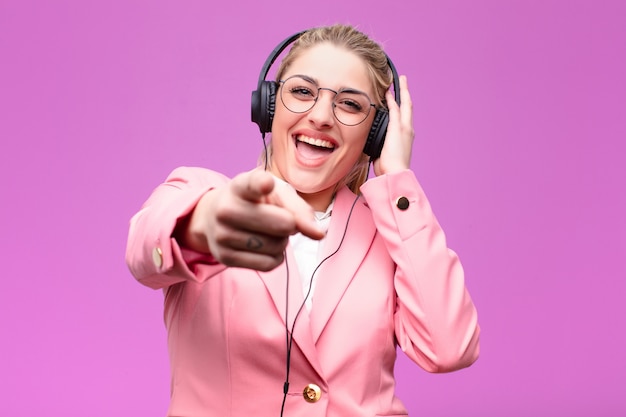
[(289, 335)]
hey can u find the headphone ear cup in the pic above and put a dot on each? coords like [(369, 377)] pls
[(264, 105), (376, 137)]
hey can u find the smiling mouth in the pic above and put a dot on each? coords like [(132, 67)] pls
[(319, 145)]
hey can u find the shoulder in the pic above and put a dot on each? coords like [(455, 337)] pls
[(195, 175)]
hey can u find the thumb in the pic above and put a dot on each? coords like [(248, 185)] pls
[(253, 186)]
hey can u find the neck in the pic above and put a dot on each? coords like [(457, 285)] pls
[(320, 200)]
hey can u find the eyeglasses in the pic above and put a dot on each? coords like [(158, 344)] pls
[(299, 94)]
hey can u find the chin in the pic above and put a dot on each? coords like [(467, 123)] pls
[(308, 187)]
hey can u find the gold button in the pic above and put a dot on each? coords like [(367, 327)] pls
[(312, 393), (157, 257), (402, 203)]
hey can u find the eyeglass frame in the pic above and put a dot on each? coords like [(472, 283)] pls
[(334, 105)]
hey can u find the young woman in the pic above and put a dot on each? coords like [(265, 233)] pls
[(289, 287)]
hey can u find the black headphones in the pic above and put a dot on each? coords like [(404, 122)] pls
[(264, 103)]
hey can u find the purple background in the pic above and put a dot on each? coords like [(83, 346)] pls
[(520, 120)]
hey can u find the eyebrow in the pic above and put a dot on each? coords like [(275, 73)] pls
[(341, 90)]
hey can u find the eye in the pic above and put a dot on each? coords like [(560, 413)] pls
[(302, 92), (349, 103), (301, 89)]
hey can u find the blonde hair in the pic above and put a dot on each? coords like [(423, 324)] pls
[(375, 59)]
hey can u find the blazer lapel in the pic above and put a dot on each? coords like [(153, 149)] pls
[(276, 284), (339, 267)]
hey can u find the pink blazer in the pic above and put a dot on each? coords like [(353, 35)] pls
[(393, 283)]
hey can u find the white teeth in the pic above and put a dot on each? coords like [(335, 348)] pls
[(315, 142)]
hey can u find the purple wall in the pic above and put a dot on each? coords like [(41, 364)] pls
[(521, 137)]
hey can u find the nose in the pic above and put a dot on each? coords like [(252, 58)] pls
[(322, 114)]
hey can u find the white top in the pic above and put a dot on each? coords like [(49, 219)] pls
[(307, 254), (307, 251)]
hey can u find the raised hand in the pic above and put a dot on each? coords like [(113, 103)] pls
[(396, 153), (247, 222)]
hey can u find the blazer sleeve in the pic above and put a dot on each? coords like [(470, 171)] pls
[(153, 256), (436, 321)]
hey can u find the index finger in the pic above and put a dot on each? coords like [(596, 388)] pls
[(406, 108)]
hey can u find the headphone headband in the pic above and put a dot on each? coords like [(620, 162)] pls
[(275, 54)]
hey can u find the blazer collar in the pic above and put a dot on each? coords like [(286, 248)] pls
[(349, 237)]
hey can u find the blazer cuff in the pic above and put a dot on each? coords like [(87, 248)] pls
[(398, 202)]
